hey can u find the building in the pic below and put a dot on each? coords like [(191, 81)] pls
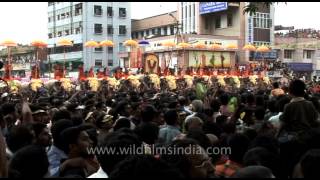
[(84, 21), (22, 58), (221, 23), (301, 54)]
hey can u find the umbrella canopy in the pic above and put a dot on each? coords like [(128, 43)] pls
[(8, 43), (216, 46), (184, 45), (91, 44), (65, 42), (199, 45), (106, 43), (144, 43), (168, 44), (263, 48), (39, 43), (249, 47), (131, 42), (232, 46)]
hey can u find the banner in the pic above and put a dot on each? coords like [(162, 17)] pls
[(211, 59)]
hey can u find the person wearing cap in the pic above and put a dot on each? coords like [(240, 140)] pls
[(40, 114)]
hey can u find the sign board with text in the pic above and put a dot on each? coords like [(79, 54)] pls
[(210, 7)]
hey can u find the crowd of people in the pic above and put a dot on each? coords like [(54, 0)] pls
[(270, 132)]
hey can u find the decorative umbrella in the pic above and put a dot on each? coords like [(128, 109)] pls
[(91, 44), (199, 46), (232, 46), (249, 47), (131, 43), (64, 42), (184, 45), (144, 43), (215, 46), (168, 44), (38, 44), (263, 48), (8, 67), (106, 43)]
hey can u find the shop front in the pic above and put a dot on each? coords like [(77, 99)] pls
[(301, 70)]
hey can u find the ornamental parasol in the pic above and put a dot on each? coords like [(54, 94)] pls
[(263, 48), (131, 43), (38, 44), (184, 45), (106, 43), (64, 42), (91, 44), (216, 46), (249, 47), (200, 46), (232, 46), (8, 43), (168, 44), (144, 43)]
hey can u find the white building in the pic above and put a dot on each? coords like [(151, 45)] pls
[(84, 21)]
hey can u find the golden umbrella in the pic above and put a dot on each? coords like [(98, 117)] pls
[(249, 47), (215, 46), (232, 46), (199, 45), (184, 45), (64, 42), (8, 43), (168, 44), (91, 44), (38, 44), (263, 48), (106, 43)]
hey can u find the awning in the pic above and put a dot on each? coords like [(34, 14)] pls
[(301, 67)]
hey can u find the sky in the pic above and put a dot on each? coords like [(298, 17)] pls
[(27, 21)]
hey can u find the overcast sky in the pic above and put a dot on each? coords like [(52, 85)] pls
[(26, 21)]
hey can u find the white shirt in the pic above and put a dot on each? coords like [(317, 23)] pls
[(275, 120), (99, 174)]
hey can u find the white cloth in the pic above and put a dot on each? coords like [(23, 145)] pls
[(275, 120), (99, 174)]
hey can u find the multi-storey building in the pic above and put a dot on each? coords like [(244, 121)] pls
[(84, 21)]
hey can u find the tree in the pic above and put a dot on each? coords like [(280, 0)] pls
[(252, 7)]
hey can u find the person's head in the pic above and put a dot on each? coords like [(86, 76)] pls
[(9, 112), (297, 88), (261, 156), (250, 99), (42, 135), (40, 114), (283, 100), (123, 108), (253, 172), (123, 138), (193, 123), (215, 105), (147, 132), (259, 113), (121, 123), (171, 117), (29, 162), (19, 137), (148, 113), (196, 164), (144, 166), (239, 144), (104, 122), (197, 106), (56, 130), (224, 99), (182, 101), (200, 137), (61, 114), (309, 163), (275, 85)]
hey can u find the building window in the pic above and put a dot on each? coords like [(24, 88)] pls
[(98, 49), (49, 19), (109, 12), (67, 32), (262, 20), (50, 35), (110, 49), (218, 22), (98, 28), (287, 54), (110, 62), (98, 63), (159, 31), (122, 30), (142, 34), (307, 54), (171, 30), (147, 32), (110, 29), (78, 9), (229, 20), (97, 10), (59, 33), (165, 30), (122, 12), (153, 31)]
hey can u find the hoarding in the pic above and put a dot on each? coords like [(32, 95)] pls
[(209, 7), (212, 59)]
